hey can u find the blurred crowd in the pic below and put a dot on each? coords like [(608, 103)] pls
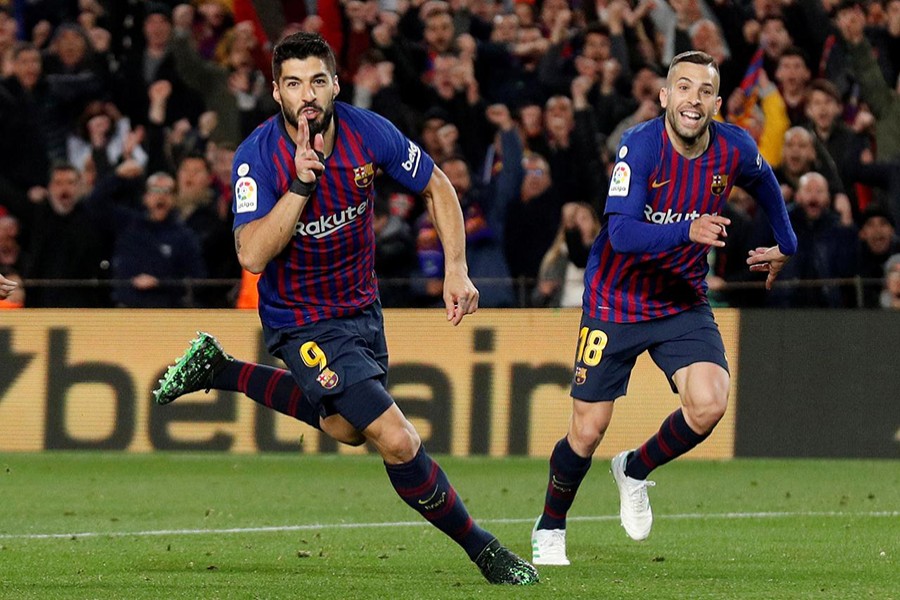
[(120, 119)]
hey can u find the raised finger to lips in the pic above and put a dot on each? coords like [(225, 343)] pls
[(302, 133)]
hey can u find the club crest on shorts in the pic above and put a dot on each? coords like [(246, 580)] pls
[(363, 175), (580, 375), (719, 183), (327, 378)]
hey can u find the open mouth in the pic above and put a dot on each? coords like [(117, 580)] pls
[(310, 112), (690, 116)]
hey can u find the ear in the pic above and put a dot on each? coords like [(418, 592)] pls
[(337, 88), (276, 94), (718, 106), (663, 97)]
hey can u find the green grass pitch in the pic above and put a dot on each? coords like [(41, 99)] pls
[(208, 526)]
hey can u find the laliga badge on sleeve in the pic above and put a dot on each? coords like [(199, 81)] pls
[(620, 180), (245, 190)]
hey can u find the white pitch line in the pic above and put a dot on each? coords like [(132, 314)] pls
[(325, 526)]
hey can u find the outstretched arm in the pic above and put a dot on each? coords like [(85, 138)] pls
[(460, 295)]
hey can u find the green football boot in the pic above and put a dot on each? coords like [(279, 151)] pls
[(194, 371), (501, 566)]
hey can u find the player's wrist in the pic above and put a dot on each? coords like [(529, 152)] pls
[(303, 188)]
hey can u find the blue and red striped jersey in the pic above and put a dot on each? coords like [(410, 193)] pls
[(654, 184), (327, 269)]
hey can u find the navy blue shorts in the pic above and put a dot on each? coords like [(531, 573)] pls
[(607, 351), (328, 356)]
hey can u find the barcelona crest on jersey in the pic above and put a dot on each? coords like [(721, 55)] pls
[(580, 375), (363, 175), (719, 183), (327, 378)]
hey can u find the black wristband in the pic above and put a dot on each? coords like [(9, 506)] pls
[(302, 188)]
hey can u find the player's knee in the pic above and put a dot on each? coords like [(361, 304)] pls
[(399, 444), (584, 437), (707, 408)]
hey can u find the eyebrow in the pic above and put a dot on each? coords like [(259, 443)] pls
[(689, 80), (295, 78)]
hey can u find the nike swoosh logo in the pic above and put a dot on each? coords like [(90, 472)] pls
[(659, 184), (431, 497)]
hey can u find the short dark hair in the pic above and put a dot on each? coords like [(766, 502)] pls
[(795, 51), (597, 28), (302, 45), (61, 165), (826, 87), (193, 155), (877, 210), (694, 57)]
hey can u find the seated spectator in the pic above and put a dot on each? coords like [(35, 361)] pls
[(877, 242), (890, 296), (152, 247), (826, 251), (561, 274)]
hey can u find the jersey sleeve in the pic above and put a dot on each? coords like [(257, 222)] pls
[(628, 184), (397, 155), (254, 183), (756, 176)]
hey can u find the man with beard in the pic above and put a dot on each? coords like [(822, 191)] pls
[(303, 218), (645, 289)]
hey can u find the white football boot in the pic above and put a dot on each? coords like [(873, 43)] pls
[(634, 504), (548, 546)]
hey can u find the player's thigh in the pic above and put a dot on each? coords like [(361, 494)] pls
[(688, 338), (604, 358)]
